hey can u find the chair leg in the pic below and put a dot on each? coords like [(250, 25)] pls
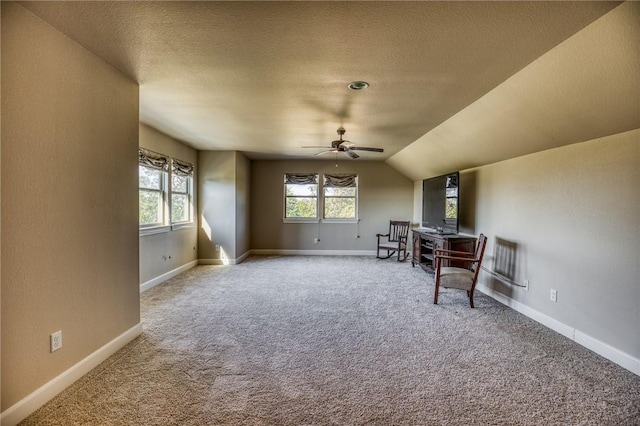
[(471, 299), (389, 254), (405, 255), (436, 279)]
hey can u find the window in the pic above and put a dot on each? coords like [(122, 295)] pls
[(451, 209), (301, 197), (151, 196), (181, 189), (340, 196), (152, 176)]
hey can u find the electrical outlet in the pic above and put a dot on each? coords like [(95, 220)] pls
[(56, 341), (316, 240), (553, 295), (526, 285), (217, 247)]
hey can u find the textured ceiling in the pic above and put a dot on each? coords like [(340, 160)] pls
[(266, 78)]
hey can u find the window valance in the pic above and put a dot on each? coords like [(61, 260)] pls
[(340, 180), (152, 159), (301, 178), (181, 168)]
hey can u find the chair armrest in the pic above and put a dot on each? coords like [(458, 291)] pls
[(464, 259), (382, 235), (462, 253), (438, 261)]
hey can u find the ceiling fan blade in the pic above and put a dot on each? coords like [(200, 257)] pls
[(325, 152), (364, 148), (317, 146), (351, 154)]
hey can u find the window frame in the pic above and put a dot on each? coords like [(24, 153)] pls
[(355, 197), (155, 227), (166, 166), (286, 197), (189, 222)]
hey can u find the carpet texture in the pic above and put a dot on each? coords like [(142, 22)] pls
[(328, 340)]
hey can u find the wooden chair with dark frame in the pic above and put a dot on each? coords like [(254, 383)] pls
[(395, 241), (464, 278)]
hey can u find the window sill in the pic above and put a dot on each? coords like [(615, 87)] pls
[(300, 220), (182, 225), (154, 230), (340, 220)]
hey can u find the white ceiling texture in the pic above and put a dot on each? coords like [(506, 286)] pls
[(449, 81)]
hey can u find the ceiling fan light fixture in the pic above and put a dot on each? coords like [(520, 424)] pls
[(358, 85)]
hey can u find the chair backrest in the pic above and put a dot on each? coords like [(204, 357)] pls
[(398, 230), (479, 253)]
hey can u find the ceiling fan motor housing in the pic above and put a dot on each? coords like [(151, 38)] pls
[(336, 144)]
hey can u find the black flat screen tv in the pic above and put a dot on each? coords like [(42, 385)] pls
[(440, 203)]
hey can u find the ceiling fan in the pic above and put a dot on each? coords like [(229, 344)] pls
[(343, 145)]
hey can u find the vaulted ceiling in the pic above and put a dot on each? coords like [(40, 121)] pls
[(267, 78)]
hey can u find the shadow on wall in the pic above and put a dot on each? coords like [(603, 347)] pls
[(503, 266), (467, 206)]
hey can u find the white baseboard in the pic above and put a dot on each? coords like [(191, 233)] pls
[(221, 261), (167, 275), (242, 257), (612, 354), (23, 408), (313, 252), (283, 252), (224, 261), (623, 359), (210, 262)]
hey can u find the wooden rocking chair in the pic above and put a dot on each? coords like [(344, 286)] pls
[(394, 241)]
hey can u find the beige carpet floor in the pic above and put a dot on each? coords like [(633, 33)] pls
[(340, 341)]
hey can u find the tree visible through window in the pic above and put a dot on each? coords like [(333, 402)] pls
[(179, 198), (451, 208), (340, 196), (181, 175), (165, 191), (301, 196), (151, 195)]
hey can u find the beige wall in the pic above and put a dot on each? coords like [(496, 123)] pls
[(384, 194), (586, 87), (69, 203), (243, 203), (167, 251), (218, 215), (574, 213)]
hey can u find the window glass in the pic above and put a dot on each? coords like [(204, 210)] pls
[(451, 209), (340, 202), (301, 199), (150, 178), (151, 196), (180, 198), (179, 208), (179, 183)]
